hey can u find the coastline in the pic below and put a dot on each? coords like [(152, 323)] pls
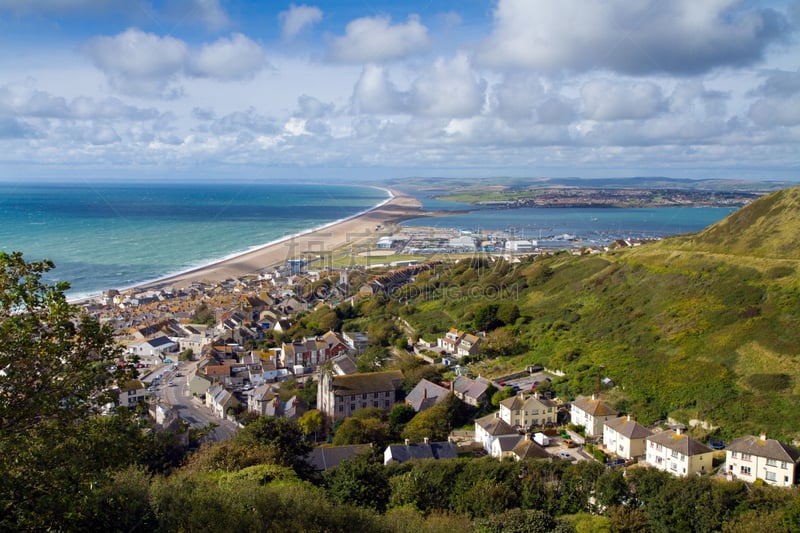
[(319, 240)]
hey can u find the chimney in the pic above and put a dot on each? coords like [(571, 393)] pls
[(678, 430), (497, 414), (408, 442), (595, 396), (424, 392), (629, 417), (425, 440), (763, 436)]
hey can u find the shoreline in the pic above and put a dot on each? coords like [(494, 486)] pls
[(318, 240)]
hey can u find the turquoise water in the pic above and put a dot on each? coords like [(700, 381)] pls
[(112, 235), (585, 225)]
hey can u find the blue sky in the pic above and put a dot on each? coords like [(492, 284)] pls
[(370, 89)]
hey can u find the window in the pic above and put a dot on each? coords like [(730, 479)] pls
[(735, 455), (746, 457), (386, 393), (386, 403), (675, 453), (364, 396), (352, 407), (770, 476), (772, 462), (375, 403), (745, 471), (783, 465), (341, 408)]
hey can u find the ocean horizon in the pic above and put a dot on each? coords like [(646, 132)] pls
[(108, 235)]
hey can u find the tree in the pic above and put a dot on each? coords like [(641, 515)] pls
[(54, 362), (504, 393), (55, 370), (282, 435), (359, 481), (311, 422), (361, 431), (486, 318), (400, 416)]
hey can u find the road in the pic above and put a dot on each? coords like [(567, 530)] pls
[(189, 409)]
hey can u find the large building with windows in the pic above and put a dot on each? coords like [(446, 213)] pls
[(750, 458), (340, 396), (677, 453)]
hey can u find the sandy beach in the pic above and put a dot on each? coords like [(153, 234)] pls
[(318, 242)]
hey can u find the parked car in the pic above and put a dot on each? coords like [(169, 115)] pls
[(567, 456), (615, 463)]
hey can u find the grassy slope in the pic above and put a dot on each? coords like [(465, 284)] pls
[(684, 330)]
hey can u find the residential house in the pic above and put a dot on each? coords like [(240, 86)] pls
[(356, 340), (339, 396), (400, 453), (625, 437), (450, 341), (220, 400), (469, 345), (272, 405), (528, 410), (199, 384), (750, 458), (677, 453), (472, 391), (489, 428), (528, 449), (591, 413), (312, 351), (344, 365), (426, 394), (152, 352), (324, 458), (131, 392)]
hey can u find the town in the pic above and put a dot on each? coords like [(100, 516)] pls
[(217, 355)]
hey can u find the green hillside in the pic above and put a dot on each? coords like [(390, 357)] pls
[(767, 228), (701, 327)]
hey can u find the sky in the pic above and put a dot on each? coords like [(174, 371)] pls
[(356, 89)]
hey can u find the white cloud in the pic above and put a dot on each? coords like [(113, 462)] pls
[(136, 62), (615, 100), (375, 39), (144, 64), (648, 36), (228, 59), (448, 89), (297, 18), (375, 93)]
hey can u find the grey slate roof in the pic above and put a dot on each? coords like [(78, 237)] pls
[(768, 448), (435, 450), (594, 407), (495, 426), (426, 394), (323, 458), (629, 428), (680, 442)]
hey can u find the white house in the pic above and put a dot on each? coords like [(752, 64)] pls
[(750, 458), (489, 428), (677, 453), (625, 437), (591, 413), (152, 351), (132, 392)]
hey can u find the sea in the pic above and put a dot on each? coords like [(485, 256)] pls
[(570, 227), (104, 235)]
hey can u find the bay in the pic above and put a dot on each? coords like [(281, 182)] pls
[(559, 227), (115, 235)]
